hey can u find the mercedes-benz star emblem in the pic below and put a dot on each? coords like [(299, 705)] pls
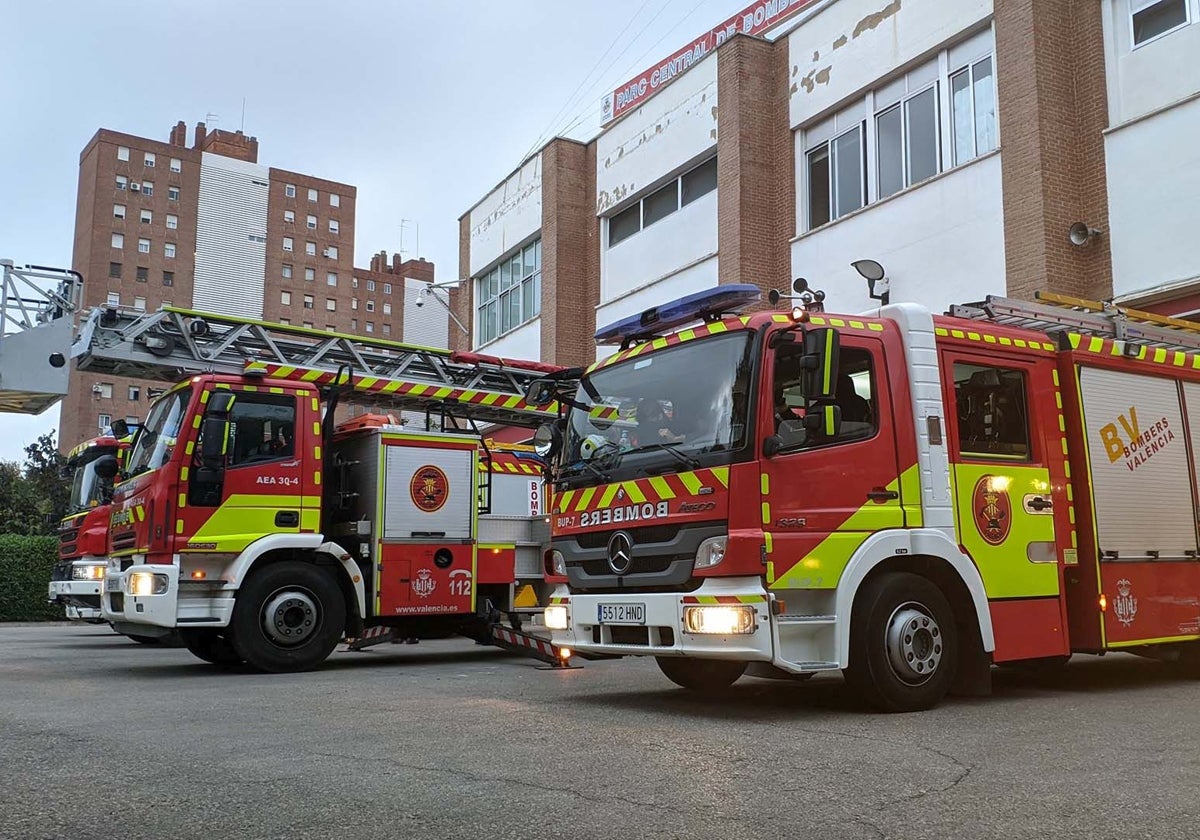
[(620, 552)]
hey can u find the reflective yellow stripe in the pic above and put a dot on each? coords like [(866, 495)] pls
[(691, 482)]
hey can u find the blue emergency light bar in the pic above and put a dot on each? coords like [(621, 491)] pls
[(700, 306)]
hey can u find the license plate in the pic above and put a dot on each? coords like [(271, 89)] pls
[(112, 584), (621, 613)]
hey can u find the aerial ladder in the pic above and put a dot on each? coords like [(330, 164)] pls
[(37, 309), (447, 390)]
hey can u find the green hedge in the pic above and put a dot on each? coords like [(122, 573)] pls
[(25, 567)]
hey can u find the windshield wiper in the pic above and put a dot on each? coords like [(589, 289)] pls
[(687, 460)]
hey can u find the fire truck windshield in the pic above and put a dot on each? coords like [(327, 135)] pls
[(87, 488), (674, 409), (156, 439)]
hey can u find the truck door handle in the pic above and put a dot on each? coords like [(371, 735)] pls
[(879, 494), (287, 518), (1037, 503)]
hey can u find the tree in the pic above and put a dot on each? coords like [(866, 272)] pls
[(18, 504), (44, 476)]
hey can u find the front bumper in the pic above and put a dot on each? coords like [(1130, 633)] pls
[(80, 598), (664, 632), (186, 605)]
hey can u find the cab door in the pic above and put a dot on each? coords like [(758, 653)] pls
[(822, 497), (1006, 448)]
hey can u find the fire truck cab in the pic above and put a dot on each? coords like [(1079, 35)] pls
[(904, 497)]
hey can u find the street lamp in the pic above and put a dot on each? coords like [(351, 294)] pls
[(428, 290)]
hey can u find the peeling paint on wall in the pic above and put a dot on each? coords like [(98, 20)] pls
[(610, 198), (875, 18), (814, 78), (840, 42), (685, 109)]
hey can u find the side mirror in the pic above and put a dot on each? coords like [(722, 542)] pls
[(540, 392), (220, 403), (772, 445), (819, 364), (823, 421), (547, 440), (106, 467), (119, 428), (215, 442)]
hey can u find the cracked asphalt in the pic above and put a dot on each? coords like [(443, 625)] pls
[(102, 737)]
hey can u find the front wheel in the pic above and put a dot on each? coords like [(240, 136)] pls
[(210, 646), (903, 643), (706, 675), (288, 617)]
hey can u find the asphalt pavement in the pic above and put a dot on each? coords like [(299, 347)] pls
[(101, 737)]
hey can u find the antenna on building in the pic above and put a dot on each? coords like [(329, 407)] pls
[(242, 127), (417, 247), (211, 118)]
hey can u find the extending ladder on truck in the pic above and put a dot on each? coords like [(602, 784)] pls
[(1061, 315), (37, 313)]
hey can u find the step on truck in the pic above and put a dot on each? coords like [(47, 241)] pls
[(904, 497), (264, 533)]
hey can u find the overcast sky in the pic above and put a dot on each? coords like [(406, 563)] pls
[(424, 106)]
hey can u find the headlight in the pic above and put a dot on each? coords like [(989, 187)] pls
[(87, 572), (711, 552), (719, 621), (556, 618), (147, 583)]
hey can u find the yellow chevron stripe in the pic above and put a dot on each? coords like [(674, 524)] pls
[(585, 499), (634, 492), (721, 474), (660, 486)]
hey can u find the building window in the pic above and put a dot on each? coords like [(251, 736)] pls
[(122, 183), (289, 217), (285, 321), (288, 245), (139, 303), (290, 190), (370, 285), (330, 328), (973, 119), (836, 182), (510, 294), (906, 139), (118, 211), (353, 282), (370, 326), (143, 246), (172, 193), (287, 271), (143, 274), (354, 323), (114, 270), (149, 159), (370, 306), (135, 393), (147, 217), (310, 274), (331, 279), (334, 200), (387, 329), (168, 280), (308, 301), (114, 299), (691, 185), (285, 298), (330, 305), (1152, 18), (176, 165), (387, 309), (105, 420), (118, 240), (169, 250), (312, 195), (312, 222), (331, 252), (354, 304), (122, 153), (387, 288), (147, 188), (308, 325), (104, 390), (310, 248), (333, 226), (172, 222)]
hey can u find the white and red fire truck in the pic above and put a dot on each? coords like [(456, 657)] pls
[(248, 522), (905, 497)]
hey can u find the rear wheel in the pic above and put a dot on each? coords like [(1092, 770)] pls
[(210, 646), (288, 617), (700, 674), (903, 643)]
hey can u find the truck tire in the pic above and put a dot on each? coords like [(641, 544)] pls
[(210, 646), (288, 617), (704, 675), (903, 643)]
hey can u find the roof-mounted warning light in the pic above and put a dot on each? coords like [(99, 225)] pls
[(709, 305)]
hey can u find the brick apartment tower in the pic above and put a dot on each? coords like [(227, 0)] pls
[(205, 226)]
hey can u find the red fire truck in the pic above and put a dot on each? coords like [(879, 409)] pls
[(263, 533), (905, 497), (83, 534)]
